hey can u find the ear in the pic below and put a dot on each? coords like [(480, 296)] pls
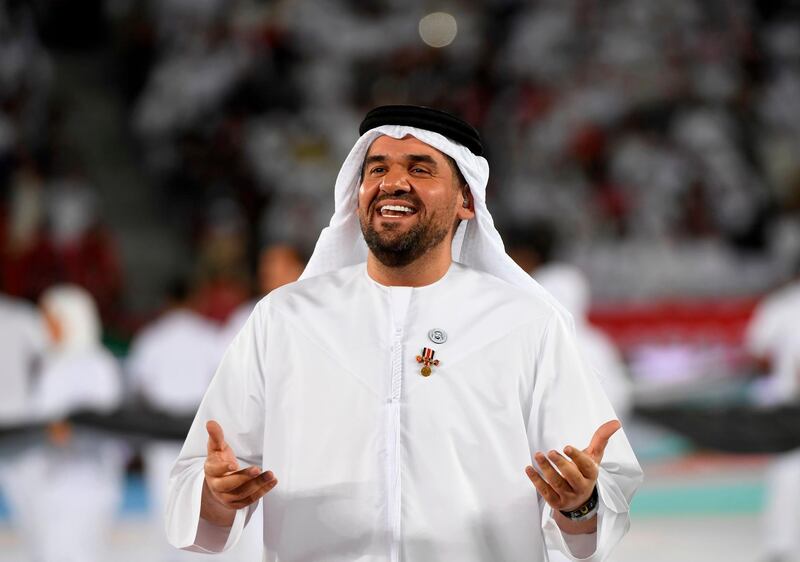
[(466, 209)]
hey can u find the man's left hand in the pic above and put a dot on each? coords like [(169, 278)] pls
[(573, 487)]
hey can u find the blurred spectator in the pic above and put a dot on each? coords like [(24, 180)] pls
[(532, 245), (222, 261), (570, 287), (67, 491), (278, 264), (22, 342), (773, 339), (774, 321), (170, 364)]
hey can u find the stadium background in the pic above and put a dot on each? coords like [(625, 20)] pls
[(656, 145)]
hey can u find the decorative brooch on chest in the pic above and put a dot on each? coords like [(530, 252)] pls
[(427, 360)]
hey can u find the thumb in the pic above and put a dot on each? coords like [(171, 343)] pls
[(597, 446), (216, 437)]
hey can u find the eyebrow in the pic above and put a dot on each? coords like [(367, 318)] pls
[(413, 158)]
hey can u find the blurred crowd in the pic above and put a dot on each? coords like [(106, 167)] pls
[(51, 226), (660, 140)]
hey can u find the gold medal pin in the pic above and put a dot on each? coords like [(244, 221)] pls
[(427, 360)]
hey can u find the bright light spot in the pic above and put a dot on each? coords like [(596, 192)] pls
[(438, 29)]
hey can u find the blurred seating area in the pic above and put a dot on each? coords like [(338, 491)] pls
[(51, 226), (660, 141)]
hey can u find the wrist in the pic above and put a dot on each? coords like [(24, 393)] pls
[(587, 510), (213, 510)]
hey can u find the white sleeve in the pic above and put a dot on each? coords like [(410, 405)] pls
[(235, 399), (567, 408)]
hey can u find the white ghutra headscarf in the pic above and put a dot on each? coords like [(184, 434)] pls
[(476, 244)]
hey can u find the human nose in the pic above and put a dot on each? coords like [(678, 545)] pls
[(394, 183)]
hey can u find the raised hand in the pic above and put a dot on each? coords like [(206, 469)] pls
[(573, 487), (228, 487)]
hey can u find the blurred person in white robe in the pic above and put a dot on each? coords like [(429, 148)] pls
[(170, 365), (773, 340), (278, 265), (67, 491), (570, 287), (23, 338), (772, 322), (780, 522), (22, 342), (385, 452)]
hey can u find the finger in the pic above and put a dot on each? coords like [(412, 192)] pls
[(263, 481), (576, 480), (584, 462), (216, 438), (231, 481), (552, 477), (597, 445), (255, 496), (548, 494), (217, 467), (252, 484)]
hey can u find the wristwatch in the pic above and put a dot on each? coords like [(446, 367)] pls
[(586, 511)]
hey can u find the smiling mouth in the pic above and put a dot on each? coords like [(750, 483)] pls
[(396, 211)]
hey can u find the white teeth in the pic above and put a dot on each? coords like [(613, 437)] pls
[(396, 208)]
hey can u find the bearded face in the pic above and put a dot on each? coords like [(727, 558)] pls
[(407, 202)]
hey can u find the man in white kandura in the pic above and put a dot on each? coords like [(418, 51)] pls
[(773, 340), (409, 388), (67, 489)]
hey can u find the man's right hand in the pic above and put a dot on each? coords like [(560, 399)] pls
[(227, 487)]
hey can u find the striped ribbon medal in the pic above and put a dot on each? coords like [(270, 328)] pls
[(427, 360)]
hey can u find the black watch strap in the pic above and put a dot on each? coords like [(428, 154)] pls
[(586, 511)]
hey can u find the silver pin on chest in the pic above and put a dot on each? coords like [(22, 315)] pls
[(437, 335)]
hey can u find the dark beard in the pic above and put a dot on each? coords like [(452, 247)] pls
[(402, 250)]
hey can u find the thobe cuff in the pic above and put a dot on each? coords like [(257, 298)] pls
[(612, 523), (213, 538), (206, 537), (575, 547)]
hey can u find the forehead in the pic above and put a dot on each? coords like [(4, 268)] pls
[(390, 146)]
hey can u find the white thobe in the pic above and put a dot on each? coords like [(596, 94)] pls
[(235, 322), (773, 333), (378, 463), (65, 496), (773, 321), (22, 340), (172, 361), (781, 522)]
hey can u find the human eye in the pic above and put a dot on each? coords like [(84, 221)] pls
[(377, 169), (420, 170)]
